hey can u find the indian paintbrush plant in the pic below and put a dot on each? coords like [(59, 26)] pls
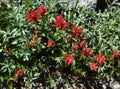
[(46, 41)]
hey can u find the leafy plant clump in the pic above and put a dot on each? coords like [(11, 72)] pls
[(44, 41)]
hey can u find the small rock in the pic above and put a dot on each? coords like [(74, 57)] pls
[(89, 3), (116, 86), (104, 87)]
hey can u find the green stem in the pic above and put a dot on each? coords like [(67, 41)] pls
[(99, 40), (69, 15), (77, 1)]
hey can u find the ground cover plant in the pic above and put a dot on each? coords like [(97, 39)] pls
[(45, 40)]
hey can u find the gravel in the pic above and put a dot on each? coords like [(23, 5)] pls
[(89, 3)]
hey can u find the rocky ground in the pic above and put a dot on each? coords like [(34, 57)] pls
[(89, 3), (84, 83), (89, 82)]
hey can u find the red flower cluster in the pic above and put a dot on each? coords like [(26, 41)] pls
[(87, 52), (68, 39), (36, 32), (83, 43), (100, 59), (93, 66), (75, 46), (20, 72), (41, 10), (116, 55), (77, 32), (69, 59), (51, 43), (60, 22), (33, 16), (33, 40)]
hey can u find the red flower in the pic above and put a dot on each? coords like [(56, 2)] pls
[(93, 67), (68, 39), (41, 10), (75, 46), (51, 43), (64, 25), (20, 72), (58, 20), (33, 40), (77, 32), (36, 32), (32, 16), (87, 52), (116, 55), (61, 23), (83, 43), (100, 59), (69, 59)]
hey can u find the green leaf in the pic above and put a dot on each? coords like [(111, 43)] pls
[(58, 59), (1, 79)]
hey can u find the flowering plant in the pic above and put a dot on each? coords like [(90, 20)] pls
[(38, 41)]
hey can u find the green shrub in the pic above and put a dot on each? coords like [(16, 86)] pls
[(49, 40)]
